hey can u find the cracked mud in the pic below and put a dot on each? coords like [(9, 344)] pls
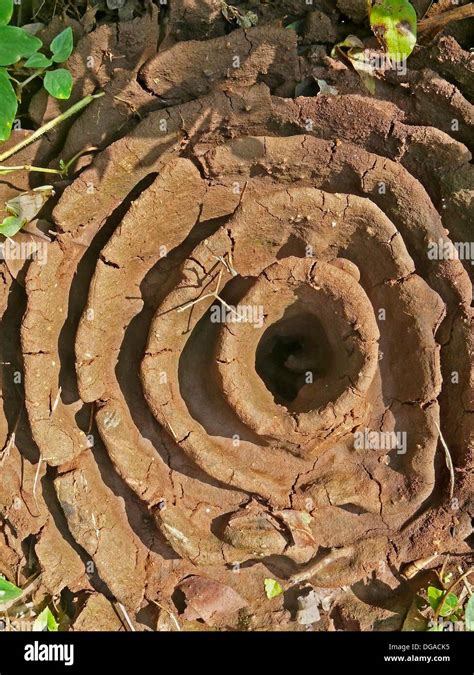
[(237, 287)]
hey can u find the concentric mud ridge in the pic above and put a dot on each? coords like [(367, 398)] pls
[(250, 347)]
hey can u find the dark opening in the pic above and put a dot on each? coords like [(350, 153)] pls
[(292, 353)]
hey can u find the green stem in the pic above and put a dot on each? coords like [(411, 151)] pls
[(50, 125), (27, 167), (30, 78), (59, 172)]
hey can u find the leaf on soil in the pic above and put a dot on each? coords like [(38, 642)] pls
[(6, 11), (242, 19), (308, 607), (209, 600), (414, 619), (8, 591), (297, 26), (45, 622), (353, 49), (325, 89), (469, 614), (272, 588), (11, 225), (62, 45), (16, 44), (27, 205), (8, 107), (450, 602), (254, 530), (33, 28), (299, 524), (394, 24), (58, 83)]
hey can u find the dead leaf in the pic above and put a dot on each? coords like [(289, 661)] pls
[(299, 524), (209, 600), (28, 204)]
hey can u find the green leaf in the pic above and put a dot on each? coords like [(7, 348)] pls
[(469, 614), (272, 588), (58, 83), (16, 44), (8, 106), (38, 60), (297, 26), (45, 621), (8, 591), (6, 11), (450, 603), (394, 24), (10, 226), (62, 46)]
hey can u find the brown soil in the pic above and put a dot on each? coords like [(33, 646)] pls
[(158, 459)]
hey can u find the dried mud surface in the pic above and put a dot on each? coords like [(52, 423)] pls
[(158, 459)]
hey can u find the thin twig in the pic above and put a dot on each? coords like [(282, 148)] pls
[(214, 294), (441, 20), (51, 125), (5, 452), (126, 618), (35, 483), (56, 402), (449, 461)]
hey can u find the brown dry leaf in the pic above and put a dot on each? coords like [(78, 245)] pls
[(209, 600), (299, 524)]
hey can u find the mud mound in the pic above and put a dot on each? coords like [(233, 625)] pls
[(250, 347)]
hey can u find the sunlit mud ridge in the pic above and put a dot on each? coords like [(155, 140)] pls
[(246, 355)]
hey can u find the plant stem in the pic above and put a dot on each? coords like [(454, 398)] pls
[(50, 125), (59, 172), (30, 78), (27, 167)]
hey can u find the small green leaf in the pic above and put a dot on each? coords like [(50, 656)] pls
[(16, 44), (10, 226), (394, 24), (58, 83), (8, 106), (38, 60), (45, 621), (272, 588), (62, 45), (450, 602), (297, 26), (8, 591), (469, 614), (6, 11)]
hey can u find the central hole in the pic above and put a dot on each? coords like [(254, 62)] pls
[(292, 354)]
